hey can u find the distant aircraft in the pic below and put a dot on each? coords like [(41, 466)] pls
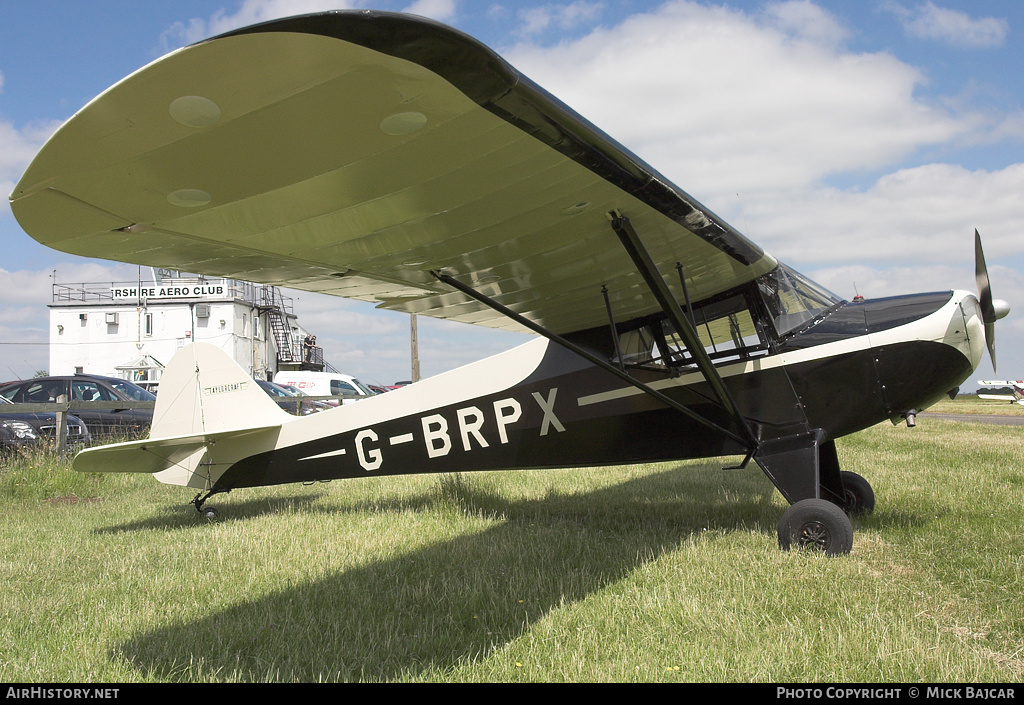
[(391, 159), (1016, 386)]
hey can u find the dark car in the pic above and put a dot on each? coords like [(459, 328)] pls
[(286, 398), (126, 419), (24, 429)]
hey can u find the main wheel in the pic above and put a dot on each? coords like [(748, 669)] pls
[(818, 525), (858, 498)]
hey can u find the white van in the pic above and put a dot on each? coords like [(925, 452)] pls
[(325, 384)]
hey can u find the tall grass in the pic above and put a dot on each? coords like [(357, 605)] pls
[(665, 572)]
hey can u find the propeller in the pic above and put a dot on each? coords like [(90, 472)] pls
[(991, 309)]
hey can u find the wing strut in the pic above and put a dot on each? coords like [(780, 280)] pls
[(747, 442), (656, 282)]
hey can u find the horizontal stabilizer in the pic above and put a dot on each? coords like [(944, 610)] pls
[(156, 455)]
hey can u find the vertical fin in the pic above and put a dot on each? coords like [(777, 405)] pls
[(203, 390)]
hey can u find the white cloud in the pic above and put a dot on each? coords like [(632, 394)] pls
[(374, 345), (17, 148), (250, 12), (730, 101), (24, 318), (441, 10), (27, 287), (536, 20), (952, 27), (802, 18), (921, 214), (256, 11), (725, 102), (759, 114)]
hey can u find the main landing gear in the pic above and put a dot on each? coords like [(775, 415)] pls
[(805, 469), (823, 525)]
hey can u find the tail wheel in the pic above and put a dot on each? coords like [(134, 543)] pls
[(816, 525)]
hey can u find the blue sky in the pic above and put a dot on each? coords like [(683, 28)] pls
[(861, 142)]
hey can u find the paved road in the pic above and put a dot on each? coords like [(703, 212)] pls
[(978, 418)]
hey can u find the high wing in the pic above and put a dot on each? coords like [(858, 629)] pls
[(361, 154)]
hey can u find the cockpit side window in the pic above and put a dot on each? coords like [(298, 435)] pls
[(727, 327)]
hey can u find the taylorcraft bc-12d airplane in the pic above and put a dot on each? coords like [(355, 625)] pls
[(391, 159)]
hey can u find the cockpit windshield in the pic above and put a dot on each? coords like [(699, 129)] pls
[(794, 300)]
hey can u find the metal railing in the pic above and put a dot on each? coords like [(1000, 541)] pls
[(262, 295)]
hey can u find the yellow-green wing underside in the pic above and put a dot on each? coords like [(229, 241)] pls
[(355, 153)]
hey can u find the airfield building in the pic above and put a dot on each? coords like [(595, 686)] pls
[(131, 330)]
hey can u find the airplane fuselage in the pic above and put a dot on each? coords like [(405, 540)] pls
[(544, 406)]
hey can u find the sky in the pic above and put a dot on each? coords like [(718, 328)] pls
[(860, 142)]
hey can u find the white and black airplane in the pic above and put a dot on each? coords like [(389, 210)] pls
[(1015, 386), (392, 159)]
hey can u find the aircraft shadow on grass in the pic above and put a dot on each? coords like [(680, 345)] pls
[(441, 605), (177, 516)]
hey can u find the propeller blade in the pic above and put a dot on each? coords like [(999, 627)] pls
[(990, 341), (988, 312), (991, 309)]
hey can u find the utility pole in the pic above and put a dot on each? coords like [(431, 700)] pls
[(414, 340)]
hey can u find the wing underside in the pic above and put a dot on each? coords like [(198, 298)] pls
[(357, 154)]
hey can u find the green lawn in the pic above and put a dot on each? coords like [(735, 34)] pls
[(665, 572)]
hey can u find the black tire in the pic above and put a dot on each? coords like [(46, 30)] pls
[(859, 498), (816, 525)]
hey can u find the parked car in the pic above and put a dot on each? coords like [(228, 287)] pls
[(24, 429), (325, 384), (286, 399), (296, 392), (43, 390)]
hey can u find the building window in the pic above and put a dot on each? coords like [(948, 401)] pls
[(149, 324)]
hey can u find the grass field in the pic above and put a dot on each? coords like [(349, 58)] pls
[(642, 573)]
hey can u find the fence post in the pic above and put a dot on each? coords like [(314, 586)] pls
[(62, 422)]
